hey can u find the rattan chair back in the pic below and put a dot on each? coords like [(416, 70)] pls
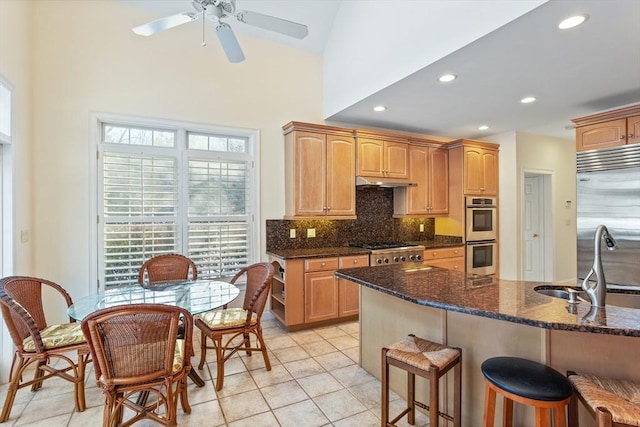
[(47, 347), (135, 350), (231, 329), (166, 268)]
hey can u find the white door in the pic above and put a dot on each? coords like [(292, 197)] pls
[(533, 227)]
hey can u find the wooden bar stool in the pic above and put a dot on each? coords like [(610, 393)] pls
[(612, 402), (429, 360), (526, 382)]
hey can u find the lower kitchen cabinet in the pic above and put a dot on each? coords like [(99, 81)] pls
[(306, 291), (320, 289), (449, 258), (348, 291), (287, 292)]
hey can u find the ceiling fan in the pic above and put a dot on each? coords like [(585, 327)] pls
[(217, 10)]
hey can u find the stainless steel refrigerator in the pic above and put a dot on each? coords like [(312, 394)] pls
[(608, 192)]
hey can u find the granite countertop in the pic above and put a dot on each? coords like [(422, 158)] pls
[(317, 252), (512, 301), (348, 250)]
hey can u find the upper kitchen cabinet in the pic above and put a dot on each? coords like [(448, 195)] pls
[(608, 129), (382, 155), (319, 172), (429, 169), (480, 171)]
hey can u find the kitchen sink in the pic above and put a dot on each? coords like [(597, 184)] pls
[(629, 299)]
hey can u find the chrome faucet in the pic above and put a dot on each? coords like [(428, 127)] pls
[(597, 292)]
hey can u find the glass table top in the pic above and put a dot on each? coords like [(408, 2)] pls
[(197, 296)]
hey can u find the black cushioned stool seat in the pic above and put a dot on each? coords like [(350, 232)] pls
[(429, 360), (526, 382)]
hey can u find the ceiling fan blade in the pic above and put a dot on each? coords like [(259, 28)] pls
[(229, 43), (164, 23), (272, 23)]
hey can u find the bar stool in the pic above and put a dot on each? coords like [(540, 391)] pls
[(612, 402), (526, 382), (429, 360)]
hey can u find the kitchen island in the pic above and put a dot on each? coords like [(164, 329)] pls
[(487, 317)]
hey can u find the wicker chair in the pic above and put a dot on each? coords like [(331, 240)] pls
[(163, 269), (612, 402), (136, 350), (39, 345), (230, 323)]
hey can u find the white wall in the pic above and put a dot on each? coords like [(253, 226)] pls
[(376, 43), (15, 65), (557, 157), (86, 59), (521, 152)]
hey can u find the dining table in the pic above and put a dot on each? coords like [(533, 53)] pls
[(196, 296)]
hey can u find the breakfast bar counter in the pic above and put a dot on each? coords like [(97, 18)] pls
[(488, 317)]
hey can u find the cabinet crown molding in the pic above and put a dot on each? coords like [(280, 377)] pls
[(605, 116)]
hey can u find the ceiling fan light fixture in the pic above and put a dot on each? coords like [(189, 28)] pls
[(379, 108), (445, 78), (528, 100), (572, 21)]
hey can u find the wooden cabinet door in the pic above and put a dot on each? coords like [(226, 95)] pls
[(370, 157), (633, 130), (321, 296), (418, 197), (601, 135), (480, 172), (473, 181), (341, 176), (349, 304), (489, 173), (310, 173), (438, 181), (396, 164), (348, 291)]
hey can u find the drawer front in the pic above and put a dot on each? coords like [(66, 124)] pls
[(443, 253), (456, 264), (354, 261), (320, 264)]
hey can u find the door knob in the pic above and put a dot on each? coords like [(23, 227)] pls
[(535, 234)]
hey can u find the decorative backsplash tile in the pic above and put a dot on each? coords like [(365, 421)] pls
[(375, 223)]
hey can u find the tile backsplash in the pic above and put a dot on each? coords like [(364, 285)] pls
[(375, 223)]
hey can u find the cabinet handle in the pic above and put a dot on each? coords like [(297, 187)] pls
[(322, 264), (623, 136), (435, 253), (355, 261), (631, 135), (455, 252), (481, 188)]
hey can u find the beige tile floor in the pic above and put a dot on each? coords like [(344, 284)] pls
[(315, 380)]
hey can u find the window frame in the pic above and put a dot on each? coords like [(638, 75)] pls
[(182, 129), (6, 190)]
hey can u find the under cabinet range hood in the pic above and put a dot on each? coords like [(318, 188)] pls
[(383, 182)]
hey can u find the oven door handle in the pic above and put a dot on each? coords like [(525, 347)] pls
[(481, 242)]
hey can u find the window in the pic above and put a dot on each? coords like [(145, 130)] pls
[(167, 190)]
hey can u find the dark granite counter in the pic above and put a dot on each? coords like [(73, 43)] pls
[(317, 252), (512, 301), (349, 250)]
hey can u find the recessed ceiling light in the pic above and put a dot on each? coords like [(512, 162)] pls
[(527, 100), (379, 108), (572, 21), (447, 78), (483, 127)]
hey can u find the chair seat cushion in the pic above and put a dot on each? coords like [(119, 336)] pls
[(620, 397), (421, 353), (527, 378), (56, 336), (226, 318)]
